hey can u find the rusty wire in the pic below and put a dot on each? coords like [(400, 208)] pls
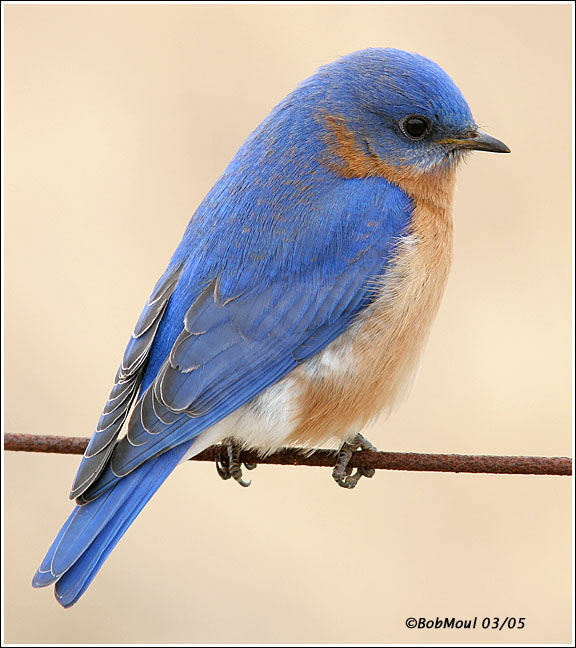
[(326, 458)]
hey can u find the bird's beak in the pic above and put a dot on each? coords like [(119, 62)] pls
[(479, 141)]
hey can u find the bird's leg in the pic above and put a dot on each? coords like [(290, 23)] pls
[(342, 472), (229, 465)]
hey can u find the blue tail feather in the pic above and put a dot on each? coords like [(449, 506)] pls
[(94, 529), (44, 575), (76, 581), (86, 524)]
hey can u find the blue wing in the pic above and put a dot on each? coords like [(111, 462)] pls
[(126, 383), (236, 319), (226, 355)]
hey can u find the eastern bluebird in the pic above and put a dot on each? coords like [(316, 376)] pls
[(297, 304)]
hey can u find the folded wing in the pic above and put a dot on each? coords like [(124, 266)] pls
[(126, 383)]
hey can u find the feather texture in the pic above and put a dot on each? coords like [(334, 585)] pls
[(126, 383)]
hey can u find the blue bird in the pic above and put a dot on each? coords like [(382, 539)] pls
[(297, 304)]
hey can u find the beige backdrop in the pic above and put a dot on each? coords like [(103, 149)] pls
[(118, 121)]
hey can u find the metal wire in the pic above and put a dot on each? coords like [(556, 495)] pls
[(326, 458)]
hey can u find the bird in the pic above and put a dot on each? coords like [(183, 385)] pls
[(296, 307)]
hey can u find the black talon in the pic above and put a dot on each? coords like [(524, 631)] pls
[(342, 472), (228, 463), (222, 465), (223, 472)]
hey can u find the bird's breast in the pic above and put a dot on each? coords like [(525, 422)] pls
[(370, 367)]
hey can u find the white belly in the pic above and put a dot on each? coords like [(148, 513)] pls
[(268, 421)]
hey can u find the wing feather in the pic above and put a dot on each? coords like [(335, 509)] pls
[(126, 384)]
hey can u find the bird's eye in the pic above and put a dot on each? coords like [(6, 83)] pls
[(415, 126)]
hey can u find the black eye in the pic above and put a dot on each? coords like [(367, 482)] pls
[(415, 127)]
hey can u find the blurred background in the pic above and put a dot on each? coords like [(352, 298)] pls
[(118, 120)]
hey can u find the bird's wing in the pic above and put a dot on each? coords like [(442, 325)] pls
[(226, 354), (127, 382), (233, 344)]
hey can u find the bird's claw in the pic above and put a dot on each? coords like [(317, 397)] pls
[(228, 464), (342, 472)]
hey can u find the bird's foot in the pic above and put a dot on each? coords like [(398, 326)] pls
[(342, 472), (229, 465)]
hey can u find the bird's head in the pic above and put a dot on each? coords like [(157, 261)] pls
[(400, 108)]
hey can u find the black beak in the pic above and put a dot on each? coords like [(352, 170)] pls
[(480, 141)]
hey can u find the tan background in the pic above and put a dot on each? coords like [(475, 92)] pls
[(118, 121)]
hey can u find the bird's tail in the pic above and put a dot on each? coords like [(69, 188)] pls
[(93, 529)]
